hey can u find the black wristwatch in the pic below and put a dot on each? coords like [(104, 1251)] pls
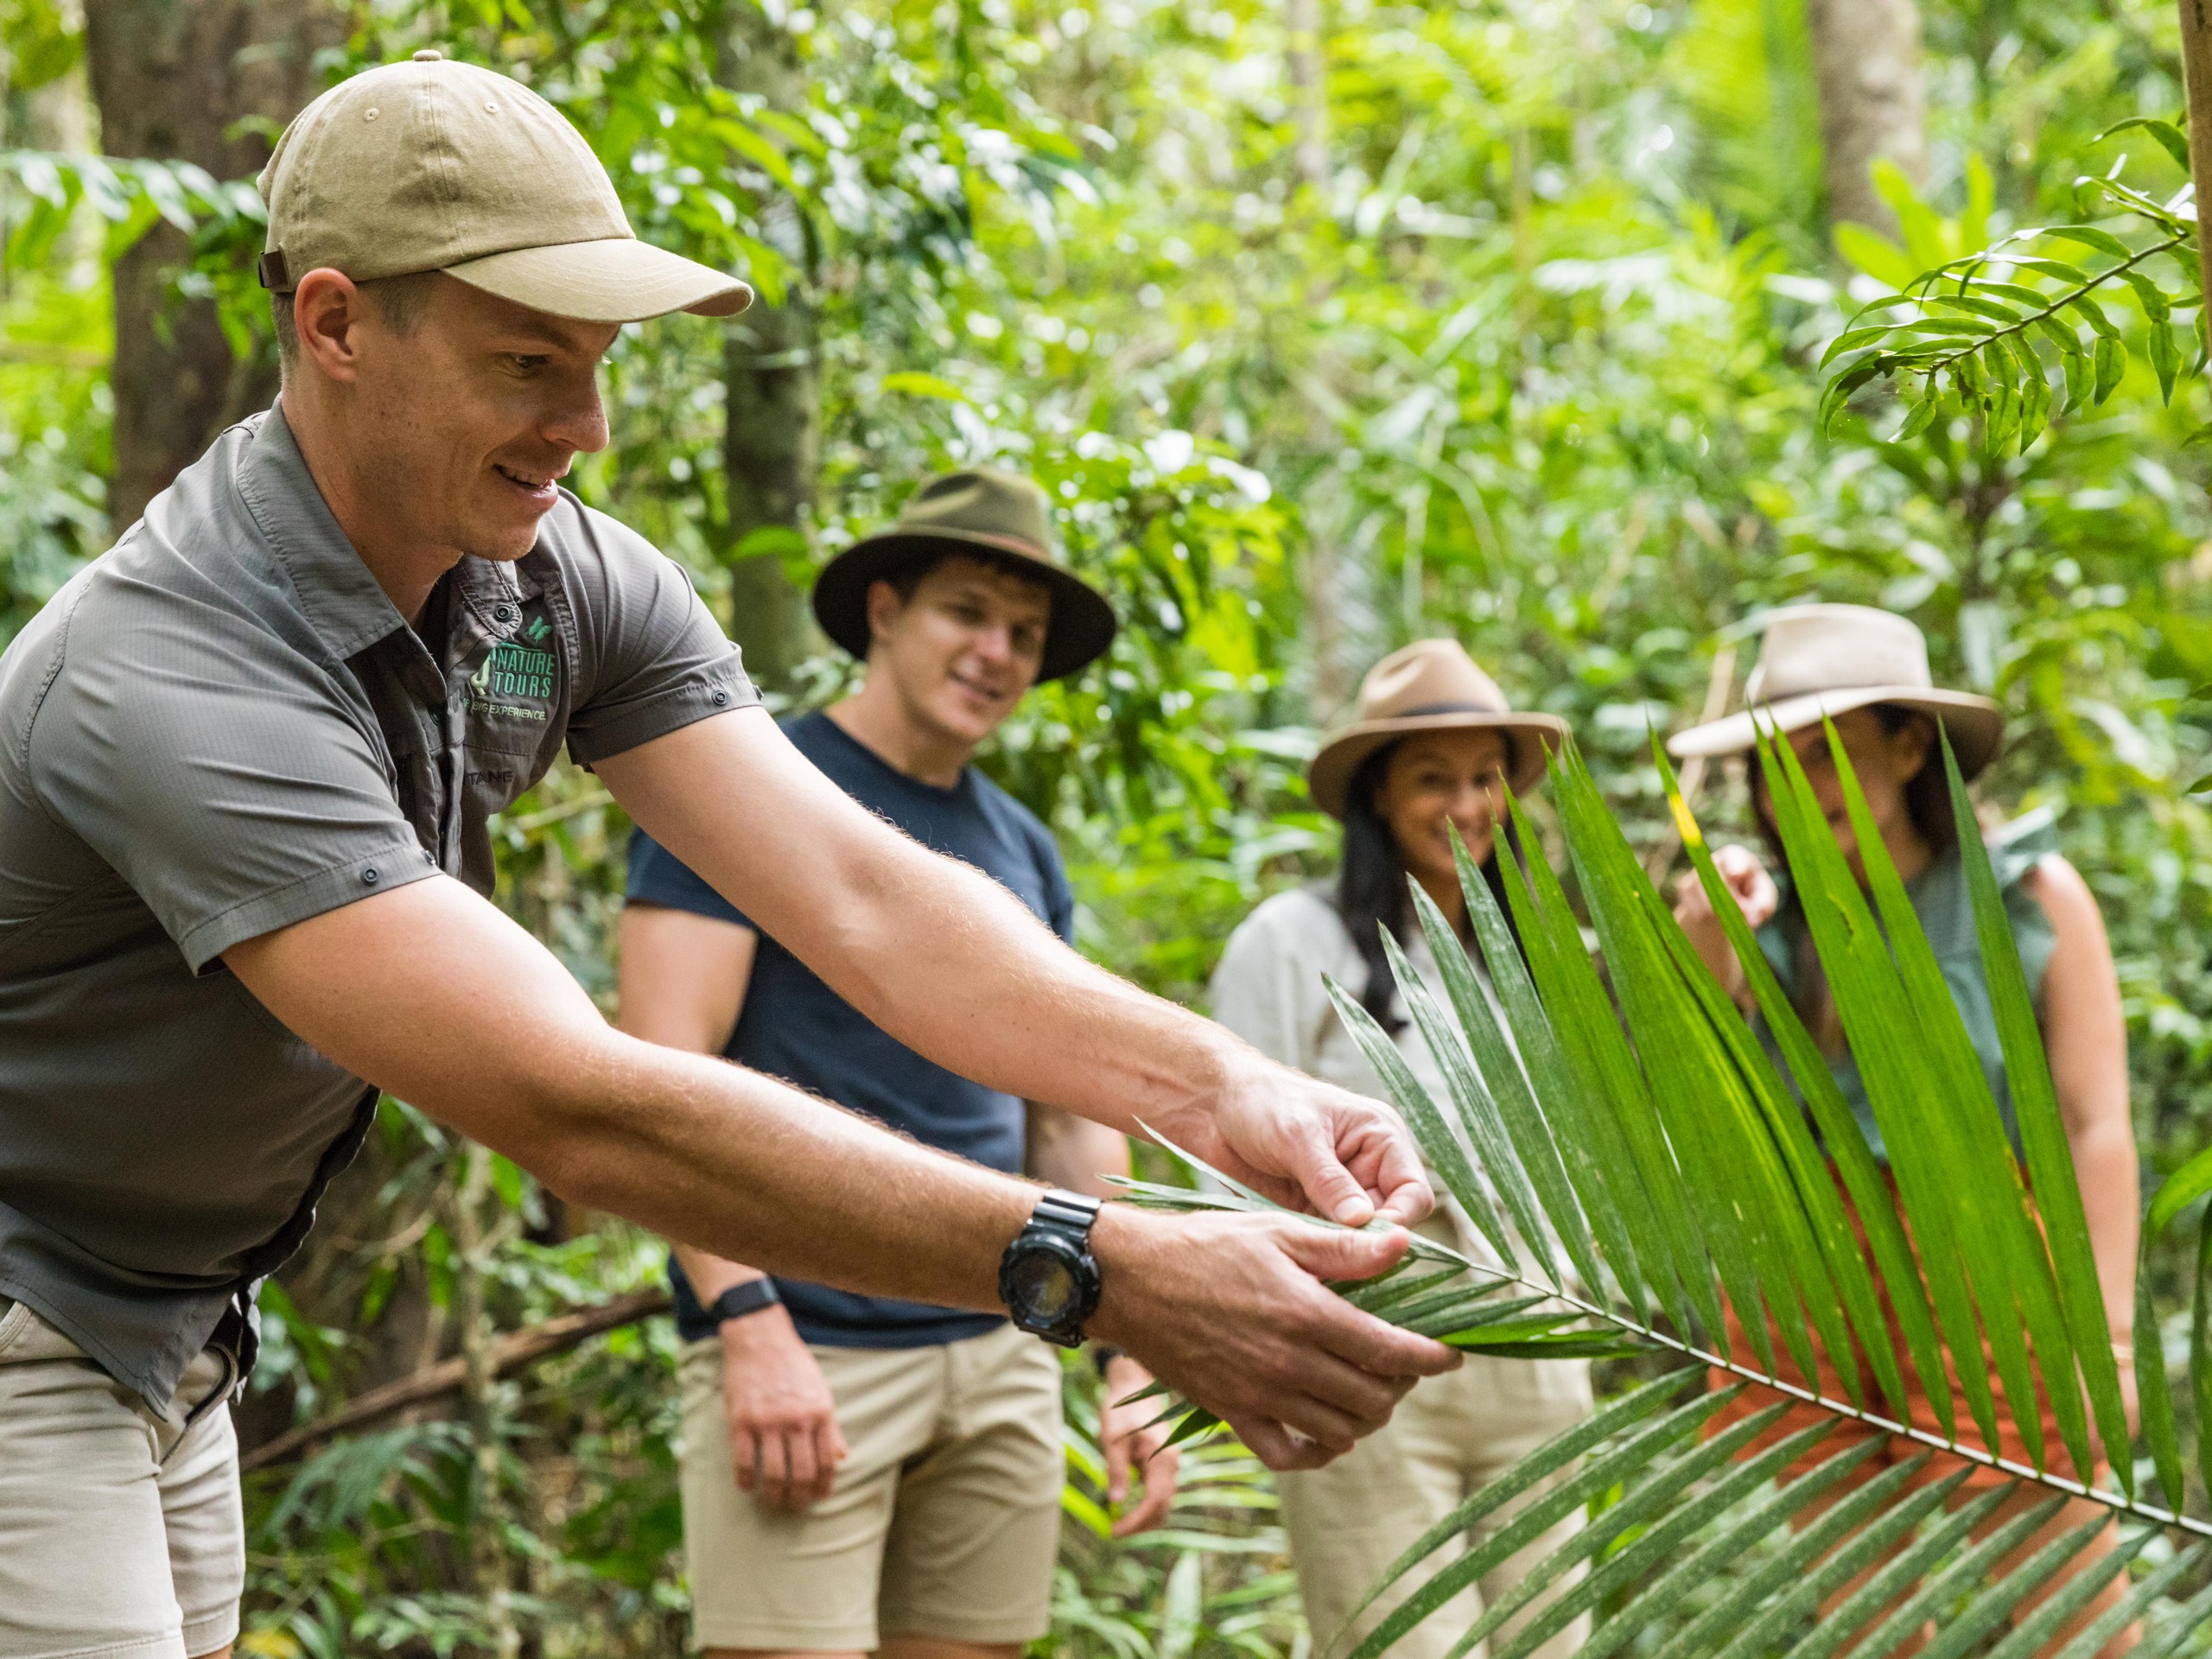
[(1047, 1278), (739, 1299)]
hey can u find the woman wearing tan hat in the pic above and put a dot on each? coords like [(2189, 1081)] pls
[(1432, 743), (1866, 671)]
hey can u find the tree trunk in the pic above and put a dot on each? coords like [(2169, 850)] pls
[(1866, 58), (772, 430), (1307, 65), (2197, 74), (172, 78)]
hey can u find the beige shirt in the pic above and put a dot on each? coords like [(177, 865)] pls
[(1269, 990)]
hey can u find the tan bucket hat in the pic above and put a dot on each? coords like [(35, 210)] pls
[(435, 166), (1431, 685), (983, 508), (1829, 659)]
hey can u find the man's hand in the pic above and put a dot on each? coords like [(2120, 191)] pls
[(783, 1439), (1230, 1312), (1308, 1145), (1134, 1441)]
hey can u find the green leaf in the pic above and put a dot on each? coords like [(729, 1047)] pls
[(2112, 363), (2200, 1347), (2165, 358), (2148, 296), (2011, 1275), (2176, 1193), (1840, 1134), (2170, 137), (1875, 254), (1588, 1142), (2043, 1139), (1531, 1521), (1438, 1144), (1840, 1623), (2104, 325), (1919, 418), (919, 385), (2089, 236), (2057, 270)]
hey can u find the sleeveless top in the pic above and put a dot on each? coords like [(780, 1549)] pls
[(1945, 907)]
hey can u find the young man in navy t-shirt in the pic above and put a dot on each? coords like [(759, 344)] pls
[(861, 1474)]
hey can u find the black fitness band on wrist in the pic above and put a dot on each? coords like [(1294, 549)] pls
[(740, 1300)]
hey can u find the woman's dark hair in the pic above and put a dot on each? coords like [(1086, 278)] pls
[(1371, 891)]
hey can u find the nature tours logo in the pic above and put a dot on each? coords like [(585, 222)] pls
[(516, 679)]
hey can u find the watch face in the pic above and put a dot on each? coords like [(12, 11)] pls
[(1044, 1284)]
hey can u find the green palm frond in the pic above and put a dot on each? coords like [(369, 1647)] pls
[(1639, 1161)]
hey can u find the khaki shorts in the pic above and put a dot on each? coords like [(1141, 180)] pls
[(943, 1521), (1452, 1435), (122, 1536)]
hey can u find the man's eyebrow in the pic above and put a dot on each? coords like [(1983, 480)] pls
[(535, 334)]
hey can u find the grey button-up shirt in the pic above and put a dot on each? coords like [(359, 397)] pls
[(218, 728)]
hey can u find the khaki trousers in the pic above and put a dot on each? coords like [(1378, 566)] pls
[(945, 1521), (1449, 1437), (121, 1532)]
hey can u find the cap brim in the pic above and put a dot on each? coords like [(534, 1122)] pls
[(616, 279), (1083, 624), (1532, 738), (1976, 724)]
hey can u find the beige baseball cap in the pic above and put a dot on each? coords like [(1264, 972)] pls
[(430, 165)]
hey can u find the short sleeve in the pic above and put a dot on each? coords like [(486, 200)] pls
[(1264, 989), (658, 877), (653, 658), (216, 768), (1059, 897)]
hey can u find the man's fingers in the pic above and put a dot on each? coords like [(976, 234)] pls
[(775, 1468), (744, 1457), (1276, 1446), (1330, 1186), (1116, 1445), (1328, 1253), (801, 1470), (1161, 1470)]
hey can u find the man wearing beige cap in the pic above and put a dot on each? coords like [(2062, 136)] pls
[(250, 756)]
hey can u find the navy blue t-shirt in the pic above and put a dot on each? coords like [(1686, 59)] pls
[(793, 1025)]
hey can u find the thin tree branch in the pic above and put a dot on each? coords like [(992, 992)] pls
[(516, 1352)]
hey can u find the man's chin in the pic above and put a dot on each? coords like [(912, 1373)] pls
[(506, 539)]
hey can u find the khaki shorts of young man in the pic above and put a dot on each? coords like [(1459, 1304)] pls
[(1449, 1437), (121, 1532), (943, 1521)]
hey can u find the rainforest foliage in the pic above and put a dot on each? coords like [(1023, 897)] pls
[(1328, 325)]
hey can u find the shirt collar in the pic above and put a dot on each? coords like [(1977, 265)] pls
[(340, 597)]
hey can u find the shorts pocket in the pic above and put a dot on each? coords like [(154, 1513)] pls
[(15, 1319)]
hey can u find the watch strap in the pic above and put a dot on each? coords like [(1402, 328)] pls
[(1063, 1211), (740, 1300)]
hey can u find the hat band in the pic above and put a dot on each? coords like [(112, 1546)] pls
[(1428, 708)]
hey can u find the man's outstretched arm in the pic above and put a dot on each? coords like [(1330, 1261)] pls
[(429, 992), (955, 967)]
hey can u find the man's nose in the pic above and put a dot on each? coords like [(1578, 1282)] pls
[(994, 641), (580, 422)]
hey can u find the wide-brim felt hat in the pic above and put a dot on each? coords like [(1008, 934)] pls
[(1431, 685), (1818, 661), (998, 515)]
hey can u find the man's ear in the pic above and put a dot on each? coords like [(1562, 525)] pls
[(328, 311), (884, 609)]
